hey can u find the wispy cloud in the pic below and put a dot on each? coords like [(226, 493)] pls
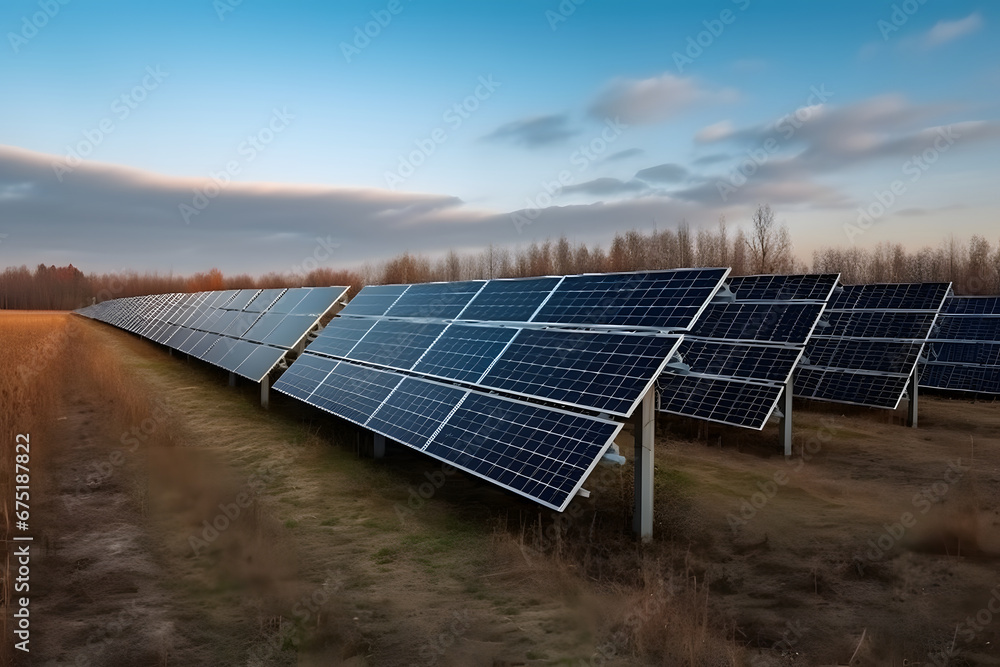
[(714, 132), (653, 100), (663, 173), (534, 132), (947, 31), (625, 154), (603, 187)]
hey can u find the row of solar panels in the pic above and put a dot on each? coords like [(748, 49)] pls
[(964, 352), (521, 381), (248, 332)]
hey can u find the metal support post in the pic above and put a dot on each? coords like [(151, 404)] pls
[(265, 392), (911, 408), (378, 446), (644, 425), (232, 379), (786, 419)]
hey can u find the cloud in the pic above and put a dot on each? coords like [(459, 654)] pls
[(947, 31), (106, 217), (625, 154), (653, 100), (715, 132), (534, 132), (795, 151), (601, 187), (663, 173), (711, 158)]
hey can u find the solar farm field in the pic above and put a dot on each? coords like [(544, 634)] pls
[(182, 524)]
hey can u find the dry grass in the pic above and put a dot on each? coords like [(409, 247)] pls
[(33, 356)]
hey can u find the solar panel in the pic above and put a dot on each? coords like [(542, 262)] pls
[(964, 352), (435, 300), (892, 296), (739, 355), (743, 404), (785, 323), (233, 329), (879, 391), (655, 299), (465, 353), (396, 344), (353, 392), (809, 287), (878, 324), (875, 338), (540, 453), (374, 300), (509, 300), (415, 410), (977, 379), (740, 361), (972, 305), (603, 371)]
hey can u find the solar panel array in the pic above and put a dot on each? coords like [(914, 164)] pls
[(245, 331), (872, 341), (517, 381), (740, 354), (964, 349)]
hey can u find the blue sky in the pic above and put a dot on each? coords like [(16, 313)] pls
[(435, 129)]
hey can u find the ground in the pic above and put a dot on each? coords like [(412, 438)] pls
[(176, 522)]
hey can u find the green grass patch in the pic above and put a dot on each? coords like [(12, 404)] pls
[(385, 555)]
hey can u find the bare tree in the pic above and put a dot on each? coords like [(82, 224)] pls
[(769, 244)]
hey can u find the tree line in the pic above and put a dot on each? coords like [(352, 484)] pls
[(763, 246)]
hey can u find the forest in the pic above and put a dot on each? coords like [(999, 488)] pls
[(763, 246)]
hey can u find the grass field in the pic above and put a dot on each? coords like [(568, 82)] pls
[(178, 523)]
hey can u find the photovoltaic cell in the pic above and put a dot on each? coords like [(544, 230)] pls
[(374, 300), (785, 323), (977, 379), (974, 354), (464, 352), (316, 301), (397, 344), (895, 296), (880, 391), (878, 324), (305, 375), (972, 305), (734, 403), (241, 300), (810, 287), (353, 392), (415, 410), (867, 355), (661, 299), (340, 336), (968, 328), (603, 371), (259, 363), (509, 300), (740, 361), (435, 300), (540, 453)]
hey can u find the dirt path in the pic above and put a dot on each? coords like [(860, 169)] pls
[(224, 534)]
